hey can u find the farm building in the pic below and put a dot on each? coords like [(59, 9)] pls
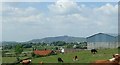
[(102, 40), (43, 52)]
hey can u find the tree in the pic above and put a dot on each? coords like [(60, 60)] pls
[(7, 47), (27, 46), (33, 55), (56, 48), (70, 46), (18, 49)]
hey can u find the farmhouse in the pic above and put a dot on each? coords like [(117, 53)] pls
[(102, 40)]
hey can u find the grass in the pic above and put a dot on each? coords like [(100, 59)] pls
[(84, 57)]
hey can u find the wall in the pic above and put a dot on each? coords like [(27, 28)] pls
[(98, 45)]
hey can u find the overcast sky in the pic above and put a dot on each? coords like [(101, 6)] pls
[(23, 21)]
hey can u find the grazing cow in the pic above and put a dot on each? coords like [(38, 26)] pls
[(41, 62), (26, 62), (62, 51), (114, 61), (60, 60), (75, 58), (93, 51)]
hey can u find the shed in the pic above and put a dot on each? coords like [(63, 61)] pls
[(102, 40), (42, 52)]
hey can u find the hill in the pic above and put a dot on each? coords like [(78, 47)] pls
[(59, 38)]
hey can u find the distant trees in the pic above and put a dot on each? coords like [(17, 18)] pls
[(70, 46), (79, 45), (18, 49), (82, 45), (27, 45), (43, 44), (19, 46), (7, 47), (59, 43)]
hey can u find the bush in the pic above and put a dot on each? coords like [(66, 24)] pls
[(119, 47), (32, 54), (69, 46), (36, 56), (56, 48)]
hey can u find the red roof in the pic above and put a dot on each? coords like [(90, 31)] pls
[(42, 52)]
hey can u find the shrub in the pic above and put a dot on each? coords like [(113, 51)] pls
[(119, 47), (32, 54)]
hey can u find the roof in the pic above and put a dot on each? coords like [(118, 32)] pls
[(110, 34), (102, 37), (42, 52)]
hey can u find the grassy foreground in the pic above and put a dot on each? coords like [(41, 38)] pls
[(84, 57)]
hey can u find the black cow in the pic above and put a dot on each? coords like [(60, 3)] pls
[(60, 60), (93, 51)]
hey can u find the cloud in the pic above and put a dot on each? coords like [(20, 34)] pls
[(107, 9), (107, 14), (62, 7), (61, 19), (21, 15)]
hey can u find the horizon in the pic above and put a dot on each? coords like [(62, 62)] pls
[(24, 21), (59, 36)]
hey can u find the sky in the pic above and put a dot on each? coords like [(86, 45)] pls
[(23, 21), (57, 0)]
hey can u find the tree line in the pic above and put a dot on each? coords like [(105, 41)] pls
[(79, 45)]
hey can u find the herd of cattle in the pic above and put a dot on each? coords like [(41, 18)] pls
[(115, 60)]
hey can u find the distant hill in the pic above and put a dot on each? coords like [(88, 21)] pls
[(59, 38), (9, 42)]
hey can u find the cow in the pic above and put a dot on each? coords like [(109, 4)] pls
[(26, 62), (75, 58), (93, 51), (113, 61), (60, 60)]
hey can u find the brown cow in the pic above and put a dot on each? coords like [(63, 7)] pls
[(26, 62), (114, 61)]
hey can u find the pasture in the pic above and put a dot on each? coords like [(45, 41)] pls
[(84, 56)]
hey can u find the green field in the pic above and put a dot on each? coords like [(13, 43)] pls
[(84, 57)]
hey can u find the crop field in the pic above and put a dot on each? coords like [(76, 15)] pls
[(84, 56)]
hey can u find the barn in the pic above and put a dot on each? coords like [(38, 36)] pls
[(102, 40), (43, 52)]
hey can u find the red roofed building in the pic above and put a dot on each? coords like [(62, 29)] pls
[(42, 52)]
